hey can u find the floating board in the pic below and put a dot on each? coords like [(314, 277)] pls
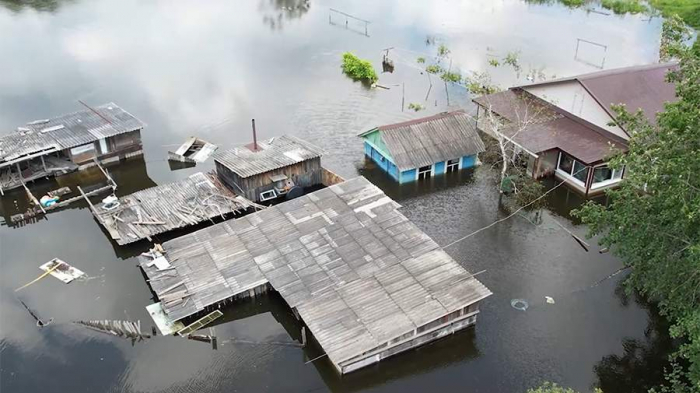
[(165, 325), (193, 150), (64, 272)]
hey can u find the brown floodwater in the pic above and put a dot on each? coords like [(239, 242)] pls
[(206, 68)]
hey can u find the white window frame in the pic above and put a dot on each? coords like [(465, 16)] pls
[(569, 175), (264, 198), (429, 171), (612, 180), (454, 165)]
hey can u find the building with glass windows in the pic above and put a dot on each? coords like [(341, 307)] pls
[(566, 127)]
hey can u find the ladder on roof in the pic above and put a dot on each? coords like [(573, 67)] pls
[(200, 323)]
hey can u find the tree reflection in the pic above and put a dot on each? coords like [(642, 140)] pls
[(642, 364), (38, 5), (277, 12)]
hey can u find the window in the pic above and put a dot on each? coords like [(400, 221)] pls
[(603, 176), (425, 172), (267, 195), (452, 165), (568, 166)]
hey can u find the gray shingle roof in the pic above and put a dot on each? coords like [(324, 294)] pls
[(274, 153), (428, 140), (67, 131), (358, 271)]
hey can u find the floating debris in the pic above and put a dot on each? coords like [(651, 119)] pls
[(164, 324), (61, 270), (40, 323), (126, 329), (549, 300), (194, 150), (156, 254), (519, 304), (58, 269)]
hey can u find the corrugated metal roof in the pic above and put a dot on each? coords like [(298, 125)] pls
[(554, 128), (272, 154), (357, 270), (67, 131), (638, 87), (428, 140)]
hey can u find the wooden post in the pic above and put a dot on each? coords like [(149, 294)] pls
[(104, 172), (43, 164), (303, 336), (33, 198), (92, 207)]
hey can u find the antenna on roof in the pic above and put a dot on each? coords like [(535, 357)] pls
[(95, 112)]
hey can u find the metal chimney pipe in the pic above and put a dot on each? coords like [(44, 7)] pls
[(255, 138)]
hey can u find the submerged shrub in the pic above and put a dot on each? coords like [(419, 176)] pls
[(358, 69), (434, 69), (420, 60), (416, 107), (453, 77)]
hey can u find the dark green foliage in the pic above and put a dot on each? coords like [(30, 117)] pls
[(358, 69), (653, 219)]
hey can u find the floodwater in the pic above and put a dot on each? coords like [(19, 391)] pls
[(206, 68)]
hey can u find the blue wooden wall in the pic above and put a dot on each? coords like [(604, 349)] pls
[(409, 175)]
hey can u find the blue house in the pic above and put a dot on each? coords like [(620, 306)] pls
[(425, 147)]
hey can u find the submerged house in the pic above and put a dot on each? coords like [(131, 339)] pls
[(422, 148), (66, 143), (366, 281), (566, 126), (280, 167)]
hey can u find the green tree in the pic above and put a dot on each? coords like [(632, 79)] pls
[(652, 220)]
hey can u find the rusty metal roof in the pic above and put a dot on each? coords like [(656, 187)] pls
[(639, 87), (272, 154), (425, 141), (67, 131), (553, 129)]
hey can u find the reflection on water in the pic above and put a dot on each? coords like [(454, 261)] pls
[(641, 365), (206, 69), (277, 12), (38, 5)]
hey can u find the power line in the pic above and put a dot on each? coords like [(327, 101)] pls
[(511, 215)]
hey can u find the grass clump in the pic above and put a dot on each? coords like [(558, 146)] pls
[(443, 51), (420, 60), (358, 69), (494, 62), (688, 10), (624, 6)]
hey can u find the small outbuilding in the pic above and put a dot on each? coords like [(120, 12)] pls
[(425, 147), (281, 167)]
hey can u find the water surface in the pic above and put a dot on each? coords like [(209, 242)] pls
[(206, 68)]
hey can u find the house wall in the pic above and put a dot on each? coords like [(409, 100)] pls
[(467, 161), (439, 328), (304, 174), (108, 149), (408, 176), (573, 98), (382, 159)]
